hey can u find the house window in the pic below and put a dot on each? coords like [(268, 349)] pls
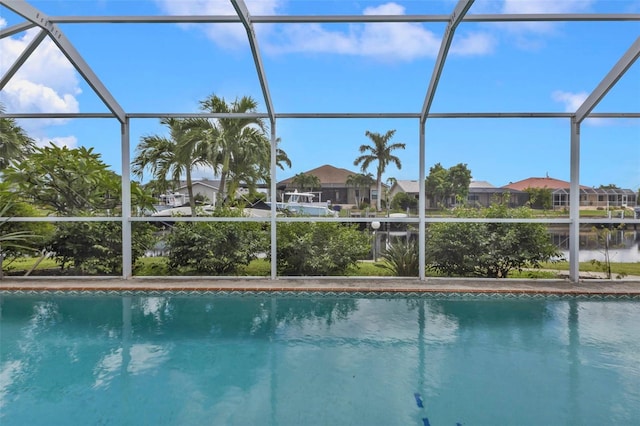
[(337, 198), (374, 194)]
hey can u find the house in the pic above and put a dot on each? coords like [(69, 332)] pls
[(334, 188), (589, 197), (409, 187), (205, 188), (483, 194)]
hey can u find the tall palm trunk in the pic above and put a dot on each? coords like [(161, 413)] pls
[(192, 200), (379, 187), (223, 176)]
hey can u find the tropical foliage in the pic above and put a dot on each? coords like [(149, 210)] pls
[(96, 247), (15, 144), (236, 149), (65, 181), (217, 248), (380, 151), (319, 248), (487, 249), (540, 198), (70, 181), (402, 258), (403, 201), (20, 238), (362, 184), (306, 181), (447, 186)]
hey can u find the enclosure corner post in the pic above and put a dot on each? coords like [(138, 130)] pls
[(422, 207), (574, 203), (272, 194), (127, 268)]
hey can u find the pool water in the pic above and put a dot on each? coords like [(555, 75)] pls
[(320, 361)]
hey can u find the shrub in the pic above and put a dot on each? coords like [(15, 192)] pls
[(488, 249), (96, 247), (402, 258), (403, 202), (319, 248), (217, 248)]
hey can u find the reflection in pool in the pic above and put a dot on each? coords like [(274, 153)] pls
[(320, 361)]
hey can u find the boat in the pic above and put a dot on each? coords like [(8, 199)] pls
[(258, 209), (302, 203)]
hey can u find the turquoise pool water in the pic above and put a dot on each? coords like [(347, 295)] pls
[(321, 361)]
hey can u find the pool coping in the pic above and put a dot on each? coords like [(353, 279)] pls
[(625, 288)]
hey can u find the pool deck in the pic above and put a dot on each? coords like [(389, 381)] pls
[(593, 286)]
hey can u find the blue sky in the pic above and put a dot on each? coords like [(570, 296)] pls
[(350, 68)]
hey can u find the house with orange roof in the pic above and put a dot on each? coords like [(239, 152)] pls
[(589, 197)]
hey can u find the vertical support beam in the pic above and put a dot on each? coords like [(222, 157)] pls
[(574, 202), (127, 262), (22, 58), (422, 204), (462, 7), (272, 192)]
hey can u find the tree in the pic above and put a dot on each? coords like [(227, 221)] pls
[(460, 177), (171, 157), (362, 184), (15, 144), (404, 201), (306, 181), (76, 182), (70, 181), (219, 248), (96, 247), (19, 238), (540, 198), (319, 248), (380, 151), (239, 146), (487, 249), (443, 184)]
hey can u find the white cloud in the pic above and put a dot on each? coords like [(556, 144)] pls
[(541, 6), (472, 44), (546, 6), (225, 35), (46, 83), (571, 101), (27, 96), (382, 41), (68, 141)]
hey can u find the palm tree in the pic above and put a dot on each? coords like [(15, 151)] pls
[(236, 142), (15, 144), (380, 151), (362, 183), (171, 157), (304, 181)]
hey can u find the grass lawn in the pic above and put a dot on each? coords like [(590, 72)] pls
[(157, 266)]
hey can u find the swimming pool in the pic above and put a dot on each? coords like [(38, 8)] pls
[(272, 360)]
